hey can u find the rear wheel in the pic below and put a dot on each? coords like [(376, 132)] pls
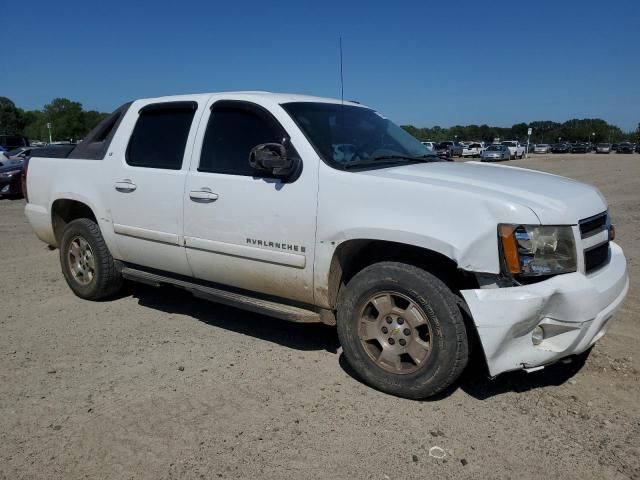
[(87, 265), (401, 330)]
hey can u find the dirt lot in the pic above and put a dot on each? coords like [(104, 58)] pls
[(157, 384)]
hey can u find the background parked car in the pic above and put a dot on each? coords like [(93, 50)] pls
[(580, 148), (9, 142), (625, 147), (430, 145), (603, 148), (515, 147), (542, 148), (472, 150), (454, 148), (561, 148), (495, 153), (638, 147), (10, 180), (20, 153)]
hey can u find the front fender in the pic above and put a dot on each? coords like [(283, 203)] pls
[(480, 258)]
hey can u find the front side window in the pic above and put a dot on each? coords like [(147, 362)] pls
[(160, 135), (234, 129), (347, 136)]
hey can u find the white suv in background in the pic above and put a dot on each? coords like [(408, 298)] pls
[(430, 145), (516, 149), (472, 149)]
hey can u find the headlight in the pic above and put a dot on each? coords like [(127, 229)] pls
[(10, 173), (534, 250)]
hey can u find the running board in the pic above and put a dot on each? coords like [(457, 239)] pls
[(256, 305)]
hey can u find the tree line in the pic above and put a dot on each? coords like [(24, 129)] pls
[(576, 130), (69, 121)]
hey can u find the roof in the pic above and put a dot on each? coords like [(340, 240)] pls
[(257, 95)]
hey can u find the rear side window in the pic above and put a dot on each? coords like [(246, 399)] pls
[(234, 128), (160, 135), (98, 140)]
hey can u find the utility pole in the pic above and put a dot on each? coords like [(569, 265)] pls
[(49, 128)]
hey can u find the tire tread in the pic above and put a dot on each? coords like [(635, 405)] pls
[(108, 279), (449, 312)]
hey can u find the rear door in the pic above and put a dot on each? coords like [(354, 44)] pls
[(147, 182), (242, 227)]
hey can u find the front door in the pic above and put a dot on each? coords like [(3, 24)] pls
[(244, 228)]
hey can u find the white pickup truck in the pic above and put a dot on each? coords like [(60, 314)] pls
[(313, 210), (516, 149), (473, 149)]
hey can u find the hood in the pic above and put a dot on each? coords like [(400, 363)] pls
[(554, 199)]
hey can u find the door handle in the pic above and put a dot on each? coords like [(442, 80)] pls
[(125, 186), (204, 195)]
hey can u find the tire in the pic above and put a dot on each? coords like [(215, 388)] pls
[(419, 296), (100, 278)]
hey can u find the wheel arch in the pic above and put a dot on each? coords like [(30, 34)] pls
[(64, 210), (352, 256)]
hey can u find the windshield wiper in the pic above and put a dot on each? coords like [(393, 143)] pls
[(421, 158), (391, 159)]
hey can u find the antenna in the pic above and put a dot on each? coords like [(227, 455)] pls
[(341, 76)]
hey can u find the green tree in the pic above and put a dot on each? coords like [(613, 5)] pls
[(92, 118), (66, 117), (36, 125), (11, 117)]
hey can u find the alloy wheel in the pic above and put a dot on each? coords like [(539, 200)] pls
[(395, 332)]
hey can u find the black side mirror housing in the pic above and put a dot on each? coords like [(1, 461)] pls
[(272, 158)]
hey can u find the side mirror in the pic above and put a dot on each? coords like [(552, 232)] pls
[(272, 158)]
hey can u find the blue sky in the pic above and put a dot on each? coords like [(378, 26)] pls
[(420, 62)]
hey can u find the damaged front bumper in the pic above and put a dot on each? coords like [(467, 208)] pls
[(574, 311)]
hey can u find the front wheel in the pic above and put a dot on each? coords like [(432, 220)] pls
[(87, 265), (401, 330)]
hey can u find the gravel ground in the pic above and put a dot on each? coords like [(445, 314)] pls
[(157, 384)]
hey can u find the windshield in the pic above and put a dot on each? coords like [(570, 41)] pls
[(509, 144), (347, 136), (494, 148)]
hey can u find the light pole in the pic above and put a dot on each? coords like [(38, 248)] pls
[(49, 128)]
